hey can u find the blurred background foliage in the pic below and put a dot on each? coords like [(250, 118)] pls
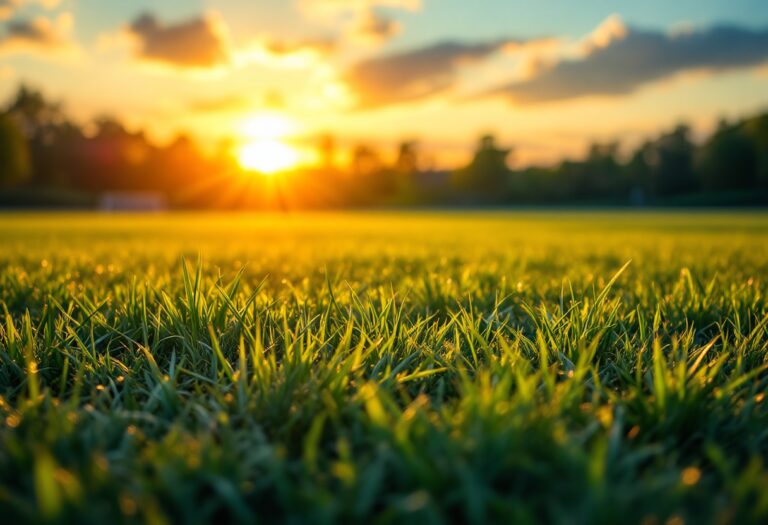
[(48, 160)]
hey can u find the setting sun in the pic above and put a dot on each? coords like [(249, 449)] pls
[(267, 156), (265, 149)]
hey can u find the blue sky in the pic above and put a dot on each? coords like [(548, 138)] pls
[(440, 71), (446, 18)]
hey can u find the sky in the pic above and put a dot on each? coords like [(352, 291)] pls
[(547, 78)]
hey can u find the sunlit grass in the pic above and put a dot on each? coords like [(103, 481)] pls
[(422, 368)]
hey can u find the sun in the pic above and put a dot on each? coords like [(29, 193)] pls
[(267, 156), (264, 148)]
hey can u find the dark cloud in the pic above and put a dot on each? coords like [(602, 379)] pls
[(197, 43), (413, 74), (30, 31), (642, 57)]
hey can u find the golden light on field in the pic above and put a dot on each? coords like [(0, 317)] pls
[(265, 149)]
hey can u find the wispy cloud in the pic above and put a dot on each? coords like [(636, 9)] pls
[(289, 54), (617, 60), (413, 74)]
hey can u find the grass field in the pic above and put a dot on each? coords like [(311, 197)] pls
[(384, 368)]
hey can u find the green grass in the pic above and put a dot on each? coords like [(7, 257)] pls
[(381, 368)]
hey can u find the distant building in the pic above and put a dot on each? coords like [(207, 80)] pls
[(132, 201)]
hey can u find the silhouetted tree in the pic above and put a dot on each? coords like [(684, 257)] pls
[(116, 159), (407, 161), (488, 174), (365, 161), (729, 159), (405, 171), (638, 174), (671, 161), (48, 136), (37, 139), (599, 176), (14, 154), (757, 130), (36, 116)]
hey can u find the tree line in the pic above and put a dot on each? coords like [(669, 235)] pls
[(46, 159), (729, 167)]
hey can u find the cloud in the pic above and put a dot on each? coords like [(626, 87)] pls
[(617, 60), (363, 21), (202, 45), (40, 35), (292, 53), (284, 54), (413, 74), (198, 43), (331, 9), (611, 30), (294, 47), (9, 7), (374, 27)]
